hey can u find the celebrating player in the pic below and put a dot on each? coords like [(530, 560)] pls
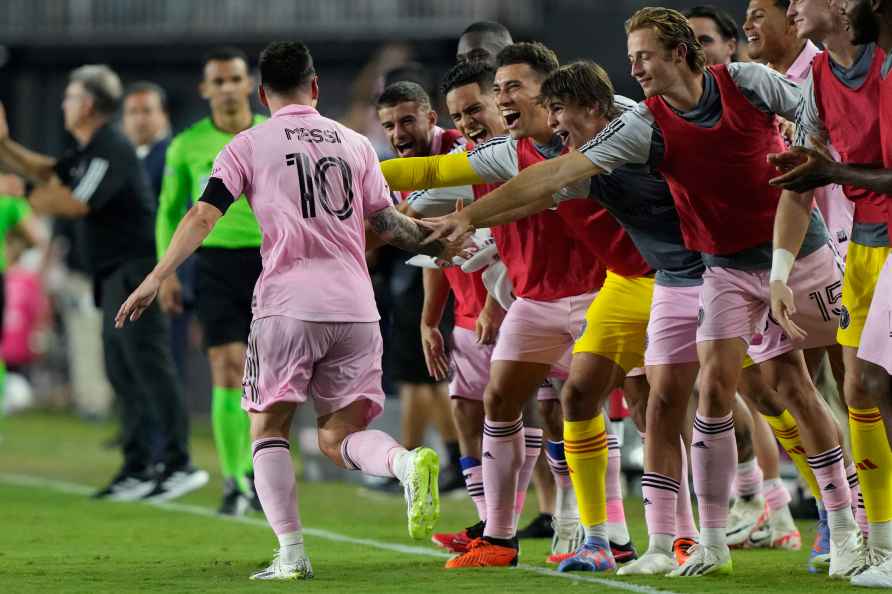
[(690, 106), (311, 182)]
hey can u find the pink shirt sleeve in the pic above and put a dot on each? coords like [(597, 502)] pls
[(375, 191), (232, 165)]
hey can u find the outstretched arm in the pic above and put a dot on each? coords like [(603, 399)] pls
[(187, 238), (399, 230), (34, 166), (438, 171), (531, 191), (808, 168)]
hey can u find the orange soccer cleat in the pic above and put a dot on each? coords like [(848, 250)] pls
[(483, 553)]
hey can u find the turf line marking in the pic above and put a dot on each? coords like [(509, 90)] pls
[(22, 480)]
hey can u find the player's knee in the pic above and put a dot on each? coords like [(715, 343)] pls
[(502, 404), (869, 386), (270, 424), (467, 415), (717, 388), (552, 419), (330, 445)]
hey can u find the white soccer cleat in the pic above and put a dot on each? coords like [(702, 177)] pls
[(743, 519), (848, 558), (279, 570), (568, 536), (769, 533), (879, 574), (706, 560), (650, 563)]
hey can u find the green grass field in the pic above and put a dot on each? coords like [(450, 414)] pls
[(55, 539)]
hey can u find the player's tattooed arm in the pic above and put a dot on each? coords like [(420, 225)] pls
[(399, 230)]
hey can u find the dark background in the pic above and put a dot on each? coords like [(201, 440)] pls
[(164, 40)]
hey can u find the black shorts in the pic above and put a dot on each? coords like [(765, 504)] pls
[(226, 279), (407, 355)]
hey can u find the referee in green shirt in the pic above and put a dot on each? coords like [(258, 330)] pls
[(228, 261)]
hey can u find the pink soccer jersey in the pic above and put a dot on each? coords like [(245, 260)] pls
[(311, 182)]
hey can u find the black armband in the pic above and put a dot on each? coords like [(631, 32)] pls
[(217, 194)]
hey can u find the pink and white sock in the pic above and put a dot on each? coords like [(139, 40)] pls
[(857, 499), (776, 495), (616, 513), (748, 481), (830, 473), (714, 457), (685, 526), (503, 456), (660, 494), (532, 437), (372, 452), (275, 484), (473, 473)]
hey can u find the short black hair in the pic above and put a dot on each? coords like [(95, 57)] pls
[(146, 86), (726, 24), (488, 27), (534, 54), (224, 53), (285, 66), (466, 73), (782, 4), (403, 92)]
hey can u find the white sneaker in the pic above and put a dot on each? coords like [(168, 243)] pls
[(711, 560), (130, 488), (279, 570), (568, 536), (743, 519), (879, 574), (849, 558), (177, 483), (650, 563)]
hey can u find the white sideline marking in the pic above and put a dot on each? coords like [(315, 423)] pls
[(22, 480)]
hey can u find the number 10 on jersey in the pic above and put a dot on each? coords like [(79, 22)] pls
[(324, 181)]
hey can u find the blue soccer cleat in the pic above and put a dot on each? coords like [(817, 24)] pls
[(594, 555)]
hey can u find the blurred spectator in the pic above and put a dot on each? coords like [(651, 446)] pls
[(716, 31), (368, 84), (14, 212), (26, 314), (101, 184), (146, 124)]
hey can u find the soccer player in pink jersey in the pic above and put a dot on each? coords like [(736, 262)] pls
[(311, 182)]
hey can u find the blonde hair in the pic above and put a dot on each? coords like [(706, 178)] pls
[(673, 30)]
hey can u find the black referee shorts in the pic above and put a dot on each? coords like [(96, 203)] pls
[(226, 279)]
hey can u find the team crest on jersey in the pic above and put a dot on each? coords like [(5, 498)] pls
[(700, 315), (844, 318)]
